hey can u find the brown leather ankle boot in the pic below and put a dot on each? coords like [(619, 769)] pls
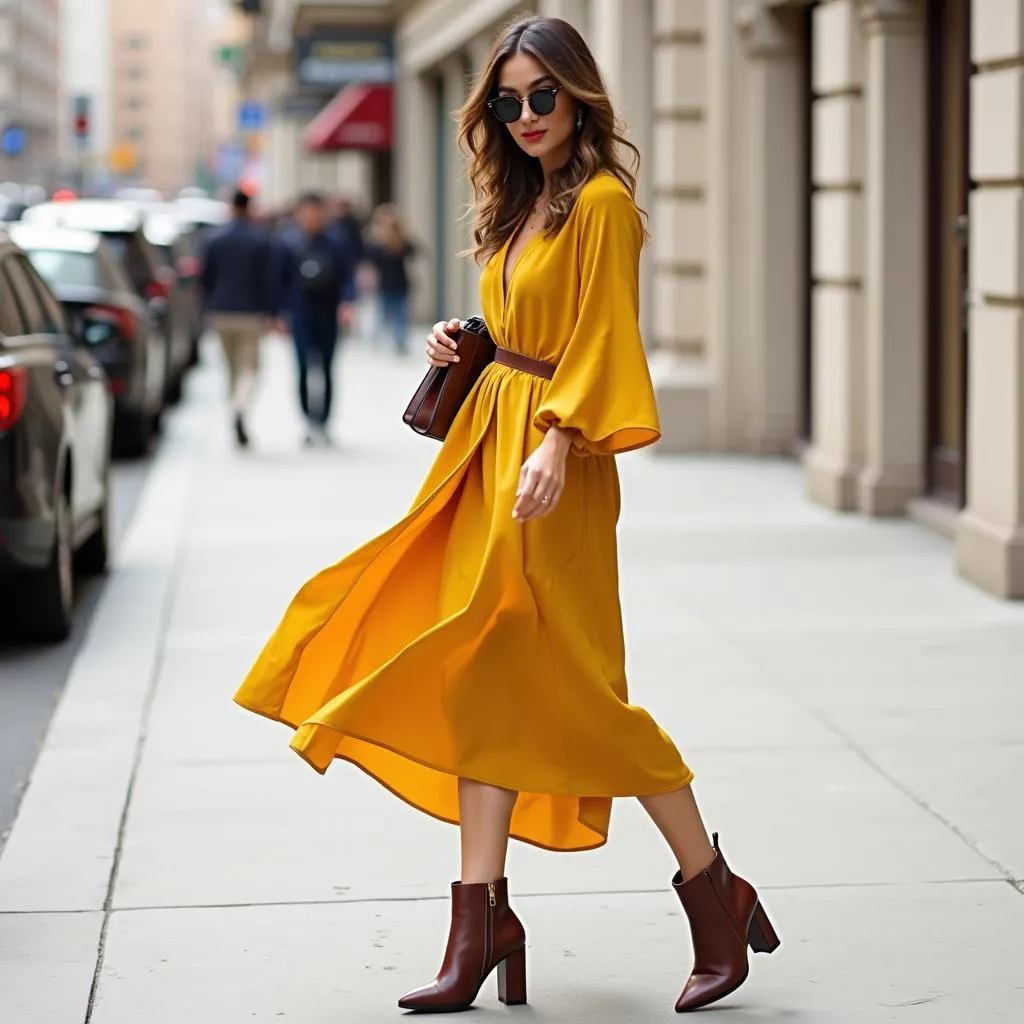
[(484, 934), (725, 917)]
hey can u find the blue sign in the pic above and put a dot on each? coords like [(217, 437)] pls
[(230, 162), (251, 117), (14, 140)]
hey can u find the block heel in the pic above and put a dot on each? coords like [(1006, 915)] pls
[(512, 978), (761, 935)]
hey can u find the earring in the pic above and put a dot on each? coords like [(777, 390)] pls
[(579, 120)]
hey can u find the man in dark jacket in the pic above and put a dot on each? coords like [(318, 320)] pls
[(349, 227), (319, 288), (240, 284)]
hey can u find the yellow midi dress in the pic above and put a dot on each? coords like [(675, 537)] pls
[(462, 642)]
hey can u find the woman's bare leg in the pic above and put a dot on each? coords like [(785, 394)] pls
[(486, 816), (679, 821)]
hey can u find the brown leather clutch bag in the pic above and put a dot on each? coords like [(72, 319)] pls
[(443, 390)]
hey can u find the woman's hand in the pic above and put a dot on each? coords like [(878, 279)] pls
[(542, 478), (441, 344)]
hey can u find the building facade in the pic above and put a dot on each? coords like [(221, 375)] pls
[(294, 85), (85, 89), (836, 274), (29, 90), (161, 75)]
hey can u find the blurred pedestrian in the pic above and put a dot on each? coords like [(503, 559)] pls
[(349, 227), (389, 251), (240, 286), (318, 285)]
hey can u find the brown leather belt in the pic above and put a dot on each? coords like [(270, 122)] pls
[(517, 361)]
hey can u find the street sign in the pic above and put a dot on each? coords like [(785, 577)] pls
[(329, 59), (14, 140), (123, 158), (231, 56), (251, 116), (229, 162)]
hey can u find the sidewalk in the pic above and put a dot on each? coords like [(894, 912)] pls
[(854, 714)]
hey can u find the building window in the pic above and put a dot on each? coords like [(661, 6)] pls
[(135, 42), (136, 71), (136, 133), (136, 103)]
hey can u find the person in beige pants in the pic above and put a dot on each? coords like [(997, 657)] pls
[(241, 285), (240, 337)]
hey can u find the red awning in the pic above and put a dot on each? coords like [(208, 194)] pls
[(359, 117)]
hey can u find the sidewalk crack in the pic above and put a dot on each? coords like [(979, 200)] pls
[(174, 582)]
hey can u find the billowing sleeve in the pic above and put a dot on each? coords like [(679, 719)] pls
[(602, 389)]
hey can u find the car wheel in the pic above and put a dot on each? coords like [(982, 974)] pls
[(92, 557), (175, 390), (135, 434), (44, 610)]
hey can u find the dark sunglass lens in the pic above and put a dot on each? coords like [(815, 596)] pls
[(542, 101), (507, 109)]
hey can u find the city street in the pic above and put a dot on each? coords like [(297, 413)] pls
[(853, 711)]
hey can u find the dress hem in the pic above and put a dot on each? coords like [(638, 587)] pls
[(447, 771)]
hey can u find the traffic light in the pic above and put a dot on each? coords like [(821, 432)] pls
[(81, 119)]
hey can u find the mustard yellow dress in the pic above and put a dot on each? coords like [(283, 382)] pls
[(464, 643)]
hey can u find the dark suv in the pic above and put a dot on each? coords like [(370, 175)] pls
[(56, 413)]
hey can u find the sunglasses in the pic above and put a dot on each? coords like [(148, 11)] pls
[(508, 109)]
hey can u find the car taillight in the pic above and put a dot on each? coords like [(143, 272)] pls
[(13, 388), (123, 319), (188, 266)]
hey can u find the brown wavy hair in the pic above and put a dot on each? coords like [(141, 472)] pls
[(505, 180)]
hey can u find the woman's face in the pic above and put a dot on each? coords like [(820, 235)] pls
[(548, 137)]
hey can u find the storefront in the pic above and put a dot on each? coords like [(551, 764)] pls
[(326, 75)]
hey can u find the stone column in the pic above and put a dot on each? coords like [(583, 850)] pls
[(895, 195), (458, 302), (772, 337), (620, 34), (990, 531), (683, 222), (573, 11), (835, 458)]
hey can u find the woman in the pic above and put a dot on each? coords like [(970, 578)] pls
[(471, 658), (389, 251)]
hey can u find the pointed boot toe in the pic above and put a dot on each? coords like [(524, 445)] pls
[(485, 934), (419, 998), (725, 918)]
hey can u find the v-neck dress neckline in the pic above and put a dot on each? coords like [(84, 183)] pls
[(507, 277)]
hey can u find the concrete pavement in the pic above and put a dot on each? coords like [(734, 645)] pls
[(854, 713)]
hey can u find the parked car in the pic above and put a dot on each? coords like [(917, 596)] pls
[(121, 224), (178, 245), (56, 413), (111, 319)]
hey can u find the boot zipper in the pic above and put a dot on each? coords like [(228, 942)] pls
[(492, 901)]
